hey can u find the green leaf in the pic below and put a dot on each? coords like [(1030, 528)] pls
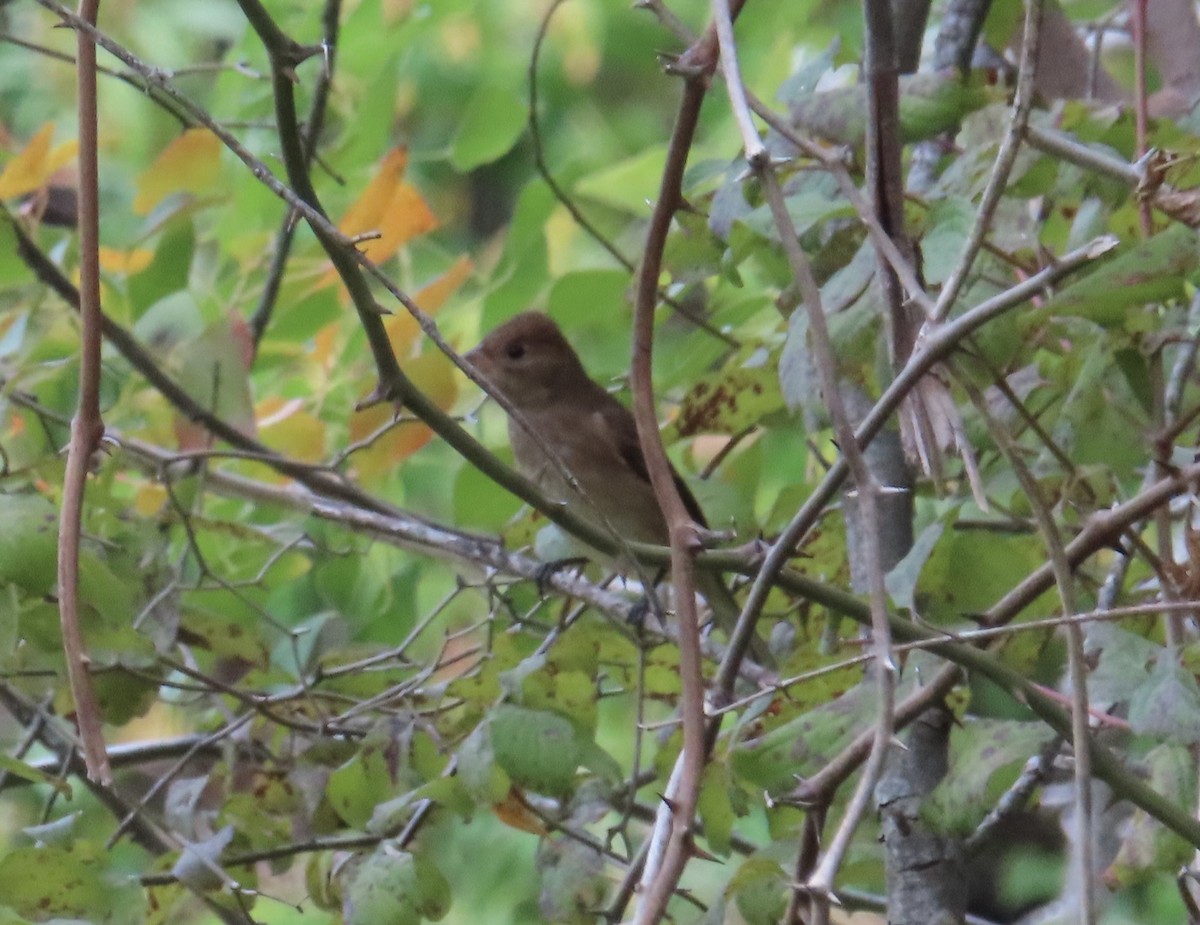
[(929, 105), (394, 887), (760, 889), (1147, 272), (538, 750), (950, 222), (1148, 845), (716, 808), (1167, 705), (901, 581), (52, 882), (628, 185), (28, 542), (491, 125), (987, 756), (359, 785), (727, 403)]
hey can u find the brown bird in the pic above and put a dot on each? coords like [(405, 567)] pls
[(530, 362)]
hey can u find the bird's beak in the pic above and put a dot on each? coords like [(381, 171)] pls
[(479, 360)]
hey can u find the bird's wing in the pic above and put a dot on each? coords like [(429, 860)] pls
[(622, 429)]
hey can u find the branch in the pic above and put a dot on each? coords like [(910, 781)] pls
[(1006, 156), (87, 427)]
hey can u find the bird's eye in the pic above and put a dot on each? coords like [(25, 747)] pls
[(515, 350)]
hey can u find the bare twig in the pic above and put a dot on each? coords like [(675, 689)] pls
[(1006, 156)]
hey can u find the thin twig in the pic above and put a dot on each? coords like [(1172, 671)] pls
[(1006, 156)]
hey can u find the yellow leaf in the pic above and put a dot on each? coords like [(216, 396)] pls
[(149, 499), (325, 344), (189, 164), (33, 167), (433, 374), (126, 263), (367, 210), (284, 425), (433, 295)]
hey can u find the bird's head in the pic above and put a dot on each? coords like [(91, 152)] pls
[(529, 361)]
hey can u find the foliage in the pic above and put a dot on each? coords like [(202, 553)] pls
[(331, 692)]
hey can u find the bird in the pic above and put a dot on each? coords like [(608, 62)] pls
[(529, 361)]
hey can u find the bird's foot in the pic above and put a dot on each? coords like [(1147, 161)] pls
[(547, 570), (641, 609)]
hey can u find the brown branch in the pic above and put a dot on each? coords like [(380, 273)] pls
[(662, 873), (543, 168), (87, 427), (684, 539)]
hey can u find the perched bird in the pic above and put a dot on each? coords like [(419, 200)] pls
[(530, 362)]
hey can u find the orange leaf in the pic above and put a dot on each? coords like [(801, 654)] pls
[(33, 167), (434, 375), (189, 164), (402, 329), (406, 216), (389, 206), (367, 210), (514, 811), (433, 295)]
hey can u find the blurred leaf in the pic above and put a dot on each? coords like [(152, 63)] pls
[(901, 581), (1166, 706), (438, 378), (629, 185), (393, 887), (199, 865), (361, 784), (1149, 271), (493, 121), (715, 807), (1148, 845), (390, 206), (929, 105), (52, 882), (759, 887), (538, 750), (950, 222), (189, 164), (987, 756), (573, 881), (33, 167), (28, 772), (28, 542), (287, 427), (125, 263), (213, 370)]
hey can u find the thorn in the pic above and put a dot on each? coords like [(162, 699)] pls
[(669, 803), (695, 851), (377, 396)]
